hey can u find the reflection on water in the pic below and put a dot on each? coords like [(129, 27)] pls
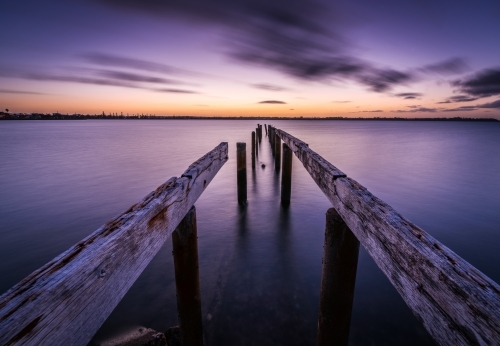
[(260, 264)]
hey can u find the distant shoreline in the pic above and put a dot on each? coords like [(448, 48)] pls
[(58, 116)]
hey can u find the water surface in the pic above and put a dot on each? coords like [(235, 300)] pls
[(260, 265)]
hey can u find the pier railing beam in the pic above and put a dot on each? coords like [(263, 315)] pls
[(277, 153), (286, 176), (340, 261), (187, 280), (241, 168)]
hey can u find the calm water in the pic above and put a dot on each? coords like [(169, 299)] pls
[(260, 266)]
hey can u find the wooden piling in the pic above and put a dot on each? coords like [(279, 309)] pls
[(241, 167), (277, 153), (265, 127), (253, 149), (286, 176), (256, 144), (340, 260), (187, 280)]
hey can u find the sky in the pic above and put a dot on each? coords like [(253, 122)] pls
[(314, 58)]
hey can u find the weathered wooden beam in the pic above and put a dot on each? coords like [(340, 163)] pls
[(456, 303), (340, 262), (67, 300), (241, 171), (265, 127), (286, 176), (187, 280)]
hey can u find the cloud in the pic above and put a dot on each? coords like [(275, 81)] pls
[(459, 98), (417, 110), (176, 91), (125, 62), (494, 104), (408, 96), (299, 38), (100, 78), (375, 111), (341, 101), (460, 109), (384, 80), (269, 87), (272, 102), (8, 91), (482, 84), (446, 67), (134, 77)]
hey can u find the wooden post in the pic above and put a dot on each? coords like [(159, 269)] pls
[(340, 260), (265, 127), (277, 153), (241, 167), (256, 143), (253, 149), (187, 280), (286, 176)]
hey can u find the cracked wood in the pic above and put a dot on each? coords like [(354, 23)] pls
[(67, 300), (456, 303)]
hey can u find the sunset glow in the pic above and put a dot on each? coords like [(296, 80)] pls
[(223, 58)]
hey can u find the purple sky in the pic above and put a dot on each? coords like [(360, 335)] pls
[(290, 58)]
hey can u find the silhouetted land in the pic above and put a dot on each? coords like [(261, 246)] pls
[(59, 116)]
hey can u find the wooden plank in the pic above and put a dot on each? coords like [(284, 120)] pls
[(67, 300), (456, 303)]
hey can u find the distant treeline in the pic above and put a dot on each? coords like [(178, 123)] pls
[(59, 116)]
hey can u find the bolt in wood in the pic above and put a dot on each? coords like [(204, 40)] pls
[(253, 149), (187, 280), (241, 170), (286, 176), (340, 261)]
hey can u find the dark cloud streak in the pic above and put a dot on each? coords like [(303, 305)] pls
[(272, 102), (296, 37), (269, 87), (482, 84)]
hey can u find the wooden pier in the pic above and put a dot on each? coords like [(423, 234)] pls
[(67, 300)]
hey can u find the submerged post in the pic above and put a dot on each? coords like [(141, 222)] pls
[(277, 152), (241, 170), (187, 279), (286, 176), (340, 260), (253, 149)]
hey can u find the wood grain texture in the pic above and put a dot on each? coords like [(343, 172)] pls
[(456, 303), (67, 300)]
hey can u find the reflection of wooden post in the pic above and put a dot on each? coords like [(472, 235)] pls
[(241, 170), (277, 152), (340, 260), (253, 149), (187, 279), (286, 176)]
